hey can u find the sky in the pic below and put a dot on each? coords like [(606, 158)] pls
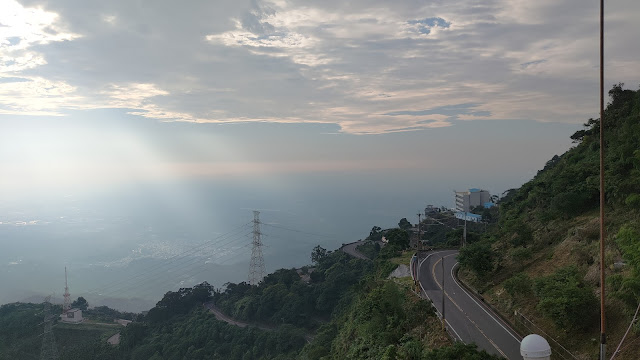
[(103, 92), (341, 115)]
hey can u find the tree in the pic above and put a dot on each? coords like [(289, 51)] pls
[(399, 238), (375, 230), (376, 233), (404, 224), (478, 257), (80, 303), (318, 253)]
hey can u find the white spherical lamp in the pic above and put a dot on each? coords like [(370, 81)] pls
[(535, 347)]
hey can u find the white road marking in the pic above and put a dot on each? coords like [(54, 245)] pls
[(425, 294), (482, 307)]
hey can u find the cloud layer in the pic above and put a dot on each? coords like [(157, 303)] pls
[(367, 66)]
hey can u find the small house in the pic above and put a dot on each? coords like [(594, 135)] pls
[(72, 316)]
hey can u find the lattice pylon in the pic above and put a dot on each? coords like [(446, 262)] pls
[(49, 349), (256, 267)]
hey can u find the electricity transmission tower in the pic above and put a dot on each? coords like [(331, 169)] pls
[(49, 349), (256, 267), (67, 296)]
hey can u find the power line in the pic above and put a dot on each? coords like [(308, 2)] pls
[(156, 279), (164, 267), (176, 257), (300, 231), (635, 316), (49, 349)]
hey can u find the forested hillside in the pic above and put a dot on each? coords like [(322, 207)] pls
[(338, 308), (541, 259), (21, 329)]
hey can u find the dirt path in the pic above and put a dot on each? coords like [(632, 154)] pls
[(114, 340), (351, 250), (222, 317)]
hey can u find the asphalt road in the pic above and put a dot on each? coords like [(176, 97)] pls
[(467, 318), (222, 317), (351, 250)]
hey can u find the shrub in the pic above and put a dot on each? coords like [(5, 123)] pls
[(633, 201), (521, 254), (566, 300), (478, 257), (518, 285)]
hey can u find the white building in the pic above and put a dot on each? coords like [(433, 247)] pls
[(72, 316), (467, 200)]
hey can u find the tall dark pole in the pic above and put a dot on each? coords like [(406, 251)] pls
[(603, 337), (464, 233), (419, 233)]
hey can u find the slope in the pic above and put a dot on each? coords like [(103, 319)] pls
[(541, 259)]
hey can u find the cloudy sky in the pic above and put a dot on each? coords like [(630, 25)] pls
[(176, 118), (106, 91)]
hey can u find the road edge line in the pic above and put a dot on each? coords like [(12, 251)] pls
[(469, 291), (431, 301)]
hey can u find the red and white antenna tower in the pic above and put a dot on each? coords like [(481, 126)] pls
[(67, 296)]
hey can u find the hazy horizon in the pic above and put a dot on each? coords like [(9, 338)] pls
[(132, 131)]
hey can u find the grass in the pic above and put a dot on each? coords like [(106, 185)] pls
[(104, 330), (405, 258)]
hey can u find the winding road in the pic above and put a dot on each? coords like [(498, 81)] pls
[(351, 250), (467, 318)]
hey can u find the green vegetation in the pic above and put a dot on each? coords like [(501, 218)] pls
[(369, 249), (541, 255), (398, 239), (404, 224), (478, 257), (197, 335), (281, 298), (80, 303), (348, 310), (542, 245), (565, 299), (519, 285), (106, 315), (627, 288), (21, 329), (318, 254)]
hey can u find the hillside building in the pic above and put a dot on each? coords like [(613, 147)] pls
[(469, 217), (72, 316), (467, 200)]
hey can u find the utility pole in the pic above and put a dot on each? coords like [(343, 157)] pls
[(256, 267), (603, 336), (49, 349), (464, 232), (419, 233)]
